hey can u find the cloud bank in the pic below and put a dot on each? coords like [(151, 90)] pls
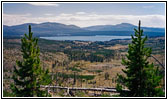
[(43, 4), (83, 19)]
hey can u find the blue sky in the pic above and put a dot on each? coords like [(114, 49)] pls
[(85, 14)]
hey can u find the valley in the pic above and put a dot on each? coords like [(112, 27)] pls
[(78, 63)]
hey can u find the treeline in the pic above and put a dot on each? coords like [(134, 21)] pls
[(64, 75), (98, 56)]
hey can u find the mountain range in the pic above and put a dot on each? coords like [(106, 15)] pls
[(121, 27), (57, 29), (43, 29)]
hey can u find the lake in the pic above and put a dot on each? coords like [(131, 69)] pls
[(87, 38)]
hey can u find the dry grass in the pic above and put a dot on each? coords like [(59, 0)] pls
[(117, 47)]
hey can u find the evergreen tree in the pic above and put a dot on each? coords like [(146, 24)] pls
[(29, 75), (141, 78)]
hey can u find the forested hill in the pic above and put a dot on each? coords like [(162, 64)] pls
[(58, 29), (122, 27), (43, 29)]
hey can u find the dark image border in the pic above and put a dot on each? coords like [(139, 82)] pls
[(87, 97)]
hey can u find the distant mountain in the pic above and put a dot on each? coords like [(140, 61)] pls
[(43, 29), (58, 29), (122, 27)]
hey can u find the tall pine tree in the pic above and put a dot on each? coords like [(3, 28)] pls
[(141, 78), (29, 75)]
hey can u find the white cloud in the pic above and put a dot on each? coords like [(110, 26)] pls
[(13, 19), (84, 20), (48, 14), (80, 13), (43, 4)]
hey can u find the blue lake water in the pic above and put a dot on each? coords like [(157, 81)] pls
[(87, 38)]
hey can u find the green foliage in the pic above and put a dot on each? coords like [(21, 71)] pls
[(63, 75), (106, 76), (80, 94), (97, 71), (7, 94), (142, 79), (95, 58), (29, 75), (74, 69), (61, 93), (81, 55), (105, 95), (106, 53), (87, 77)]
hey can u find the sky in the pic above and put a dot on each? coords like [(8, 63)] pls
[(85, 14)]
